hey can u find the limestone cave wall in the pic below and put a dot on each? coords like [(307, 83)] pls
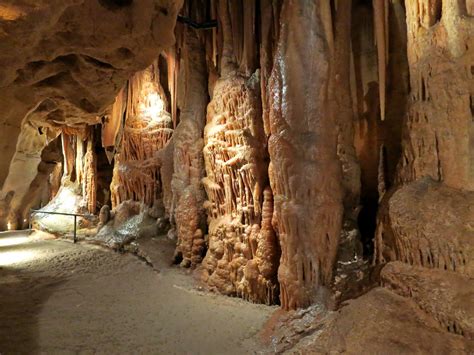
[(62, 64), (291, 148)]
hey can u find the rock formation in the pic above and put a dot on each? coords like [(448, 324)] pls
[(300, 152), (242, 253), (304, 169), (147, 127), (67, 71), (187, 189)]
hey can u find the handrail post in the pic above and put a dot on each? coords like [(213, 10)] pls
[(32, 212), (75, 228), (30, 225)]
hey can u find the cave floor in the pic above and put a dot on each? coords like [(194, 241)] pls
[(60, 297)]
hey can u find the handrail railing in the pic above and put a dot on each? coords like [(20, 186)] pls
[(32, 212)]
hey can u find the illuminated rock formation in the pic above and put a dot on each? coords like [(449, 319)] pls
[(428, 224), (62, 63), (242, 255), (146, 129), (234, 184)]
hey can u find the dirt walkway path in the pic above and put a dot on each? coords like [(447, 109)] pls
[(57, 297)]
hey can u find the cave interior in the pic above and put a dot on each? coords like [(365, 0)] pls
[(309, 155)]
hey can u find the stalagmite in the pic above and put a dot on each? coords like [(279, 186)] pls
[(304, 168), (235, 177), (186, 185), (89, 184), (408, 230), (234, 158)]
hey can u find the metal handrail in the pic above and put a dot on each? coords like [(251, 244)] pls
[(32, 211)]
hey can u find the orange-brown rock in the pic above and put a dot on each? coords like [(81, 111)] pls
[(234, 160), (429, 224), (242, 248), (445, 295), (147, 128), (188, 161), (62, 63), (381, 322), (304, 168), (438, 134)]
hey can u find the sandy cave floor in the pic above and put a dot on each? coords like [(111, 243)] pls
[(60, 297)]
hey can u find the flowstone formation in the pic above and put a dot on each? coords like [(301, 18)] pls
[(188, 195), (425, 230), (241, 242), (304, 169), (147, 127), (312, 154), (243, 251)]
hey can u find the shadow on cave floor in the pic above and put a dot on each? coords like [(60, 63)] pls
[(21, 299), (57, 297), (23, 291)]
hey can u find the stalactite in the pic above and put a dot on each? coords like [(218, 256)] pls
[(381, 35), (172, 59), (79, 159), (55, 180), (68, 153), (326, 17), (113, 125), (340, 91), (269, 17), (248, 63)]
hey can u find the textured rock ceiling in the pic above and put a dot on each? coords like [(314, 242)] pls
[(63, 61)]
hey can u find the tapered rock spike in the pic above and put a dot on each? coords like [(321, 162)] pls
[(380, 37)]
